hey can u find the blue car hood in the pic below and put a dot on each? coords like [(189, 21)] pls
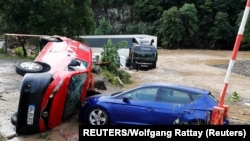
[(99, 97)]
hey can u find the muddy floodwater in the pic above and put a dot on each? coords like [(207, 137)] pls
[(199, 68)]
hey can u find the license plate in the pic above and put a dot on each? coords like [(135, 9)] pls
[(144, 65), (30, 116)]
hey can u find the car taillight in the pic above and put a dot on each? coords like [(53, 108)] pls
[(46, 110)]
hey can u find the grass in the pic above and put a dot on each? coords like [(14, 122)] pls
[(2, 138), (8, 56)]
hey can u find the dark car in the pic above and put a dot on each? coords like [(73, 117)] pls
[(142, 56), (54, 84), (150, 104)]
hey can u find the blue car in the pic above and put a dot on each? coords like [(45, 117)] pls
[(150, 104)]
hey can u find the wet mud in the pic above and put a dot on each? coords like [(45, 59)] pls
[(200, 68)]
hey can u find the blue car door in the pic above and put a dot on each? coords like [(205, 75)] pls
[(134, 108), (172, 106), (132, 112), (166, 113)]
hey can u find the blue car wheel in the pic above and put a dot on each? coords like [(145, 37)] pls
[(98, 116)]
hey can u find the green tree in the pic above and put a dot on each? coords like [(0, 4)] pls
[(171, 28), (206, 16), (179, 27), (148, 10), (234, 8), (222, 33), (67, 18), (103, 28), (110, 54), (189, 19), (141, 28), (245, 43)]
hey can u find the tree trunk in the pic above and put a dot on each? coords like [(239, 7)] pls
[(22, 41)]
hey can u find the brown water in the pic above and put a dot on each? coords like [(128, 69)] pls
[(195, 68)]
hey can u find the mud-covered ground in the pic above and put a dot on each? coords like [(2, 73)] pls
[(199, 68)]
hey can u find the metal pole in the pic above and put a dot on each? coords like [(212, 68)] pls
[(221, 111), (234, 53)]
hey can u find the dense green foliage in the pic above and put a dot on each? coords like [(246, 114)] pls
[(66, 18), (56, 17), (200, 24), (111, 69)]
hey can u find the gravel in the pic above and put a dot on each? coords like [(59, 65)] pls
[(241, 67)]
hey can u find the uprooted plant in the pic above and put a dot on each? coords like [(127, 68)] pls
[(111, 56)]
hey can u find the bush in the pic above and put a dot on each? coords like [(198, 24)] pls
[(19, 51), (124, 76), (1, 138), (2, 50), (112, 69), (110, 77)]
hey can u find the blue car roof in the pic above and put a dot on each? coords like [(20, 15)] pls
[(178, 86)]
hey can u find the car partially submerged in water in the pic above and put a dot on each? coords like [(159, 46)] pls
[(142, 56), (54, 84)]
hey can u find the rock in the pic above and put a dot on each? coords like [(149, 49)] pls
[(100, 84)]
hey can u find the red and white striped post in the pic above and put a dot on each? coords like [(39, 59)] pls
[(220, 111)]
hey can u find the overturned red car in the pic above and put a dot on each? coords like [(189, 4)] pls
[(53, 85)]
